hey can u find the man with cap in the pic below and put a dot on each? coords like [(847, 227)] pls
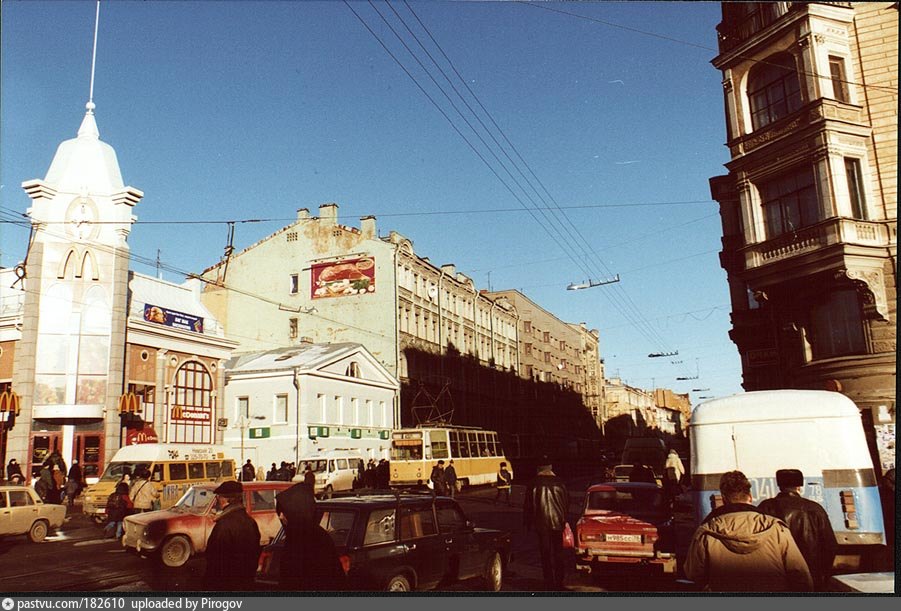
[(233, 548), (438, 479), (807, 521), (544, 509)]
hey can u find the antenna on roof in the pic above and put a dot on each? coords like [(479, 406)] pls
[(90, 104)]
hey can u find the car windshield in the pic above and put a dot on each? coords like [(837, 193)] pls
[(318, 466), (196, 500), (115, 470), (637, 501)]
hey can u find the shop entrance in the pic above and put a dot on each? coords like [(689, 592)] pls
[(42, 445), (88, 450)]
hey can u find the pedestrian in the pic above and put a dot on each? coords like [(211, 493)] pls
[(283, 474), (44, 485), (248, 472), (261, 473), (118, 505), (55, 458), (143, 492), (369, 478), (272, 475), (233, 548), (738, 548), (383, 474), (807, 521), (309, 561), (439, 483), (544, 511), (504, 484), (292, 471), (74, 483), (59, 482), (450, 476), (674, 470), (360, 478), (14, 472)]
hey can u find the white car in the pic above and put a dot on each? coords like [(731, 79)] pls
[(22, 512)]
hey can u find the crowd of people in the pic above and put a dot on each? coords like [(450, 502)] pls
[(54, 484), (370, 474), (134, 493)]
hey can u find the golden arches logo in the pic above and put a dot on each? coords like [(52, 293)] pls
[(9, 402), (129, 403)]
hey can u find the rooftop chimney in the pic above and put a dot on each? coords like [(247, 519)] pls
[(328, 214), (450, 269), (367, 227), (303, 213)]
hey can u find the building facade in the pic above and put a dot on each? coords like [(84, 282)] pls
[(809, 206), (289, 403), (96, 355)]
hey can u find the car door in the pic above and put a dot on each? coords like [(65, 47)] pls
[(261, 507), (424, 546), (6, 520), (23, 511), (465, 559)]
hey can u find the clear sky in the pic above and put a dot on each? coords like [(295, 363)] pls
[(606, 122)]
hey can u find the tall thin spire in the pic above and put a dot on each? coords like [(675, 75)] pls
[(90, 105)]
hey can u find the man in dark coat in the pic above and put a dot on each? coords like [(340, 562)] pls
[(383, 474), (807, 521), (544, 510), (310, 561), (233, 548), (272, 474), (248, 472), (450, 476), (283, 474), (438, 480)]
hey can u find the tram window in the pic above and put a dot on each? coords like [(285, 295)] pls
[(454, 443), (474, 448), (439, 444)]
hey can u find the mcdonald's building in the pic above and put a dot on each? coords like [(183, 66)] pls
[(93, 355)]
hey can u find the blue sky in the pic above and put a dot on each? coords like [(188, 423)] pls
[(250, 110)]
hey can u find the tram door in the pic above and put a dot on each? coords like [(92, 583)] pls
[(42, 445)]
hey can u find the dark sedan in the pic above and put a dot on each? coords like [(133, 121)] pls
[(404, 542)]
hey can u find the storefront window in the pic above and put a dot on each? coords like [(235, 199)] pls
[(191, 418)]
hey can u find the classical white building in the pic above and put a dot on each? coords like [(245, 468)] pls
[(287, 403), (79, 331)]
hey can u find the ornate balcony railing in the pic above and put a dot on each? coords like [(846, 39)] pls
[(877, 234)]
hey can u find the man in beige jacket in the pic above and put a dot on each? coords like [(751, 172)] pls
[(143, 492), (740, 549)]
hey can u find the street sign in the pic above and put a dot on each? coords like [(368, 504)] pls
[(259, 433)]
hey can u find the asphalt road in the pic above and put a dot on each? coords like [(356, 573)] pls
[(77, 558)]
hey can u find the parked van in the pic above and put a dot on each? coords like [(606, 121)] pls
[(818, 432), (174, 467), (335, 470), (649, 451)]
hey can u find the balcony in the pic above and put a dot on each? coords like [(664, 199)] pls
[(740, 27), (852, 232)]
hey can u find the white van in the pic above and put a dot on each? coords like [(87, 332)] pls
[(818, 432), (335, 470)]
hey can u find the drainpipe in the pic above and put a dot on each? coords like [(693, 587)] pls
[(296, 382), (396, 424)]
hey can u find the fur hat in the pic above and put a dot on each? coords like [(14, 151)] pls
[(229, 488), (789, 478)]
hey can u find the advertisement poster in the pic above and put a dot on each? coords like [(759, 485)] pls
[(171, 318), (343, 279)]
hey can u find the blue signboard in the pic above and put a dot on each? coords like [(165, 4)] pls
[(171, 318)]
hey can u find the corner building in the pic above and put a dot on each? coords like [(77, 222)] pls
[(809, 205)]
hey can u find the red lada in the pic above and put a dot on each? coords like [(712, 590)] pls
[(174, 535), (625, 523)]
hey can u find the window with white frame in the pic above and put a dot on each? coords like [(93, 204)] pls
[(355, 410), (837, 75), (323, 407), (790, 202), (383, 414), (281, 409), (369, 414), (334, 412), (774, 90), (294, 284), (242, 409), (855, 188)]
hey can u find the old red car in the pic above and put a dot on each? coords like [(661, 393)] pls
[(625, 523), (173, 535)]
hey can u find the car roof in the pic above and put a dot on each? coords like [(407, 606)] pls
[(248, 485), (613, 486), (381, 500)]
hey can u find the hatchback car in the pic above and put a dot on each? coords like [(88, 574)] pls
[(403, 542), (625, 523), (22, 512), (174, 535)]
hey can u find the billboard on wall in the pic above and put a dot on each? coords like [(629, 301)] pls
[(343, 279), (171, 318)]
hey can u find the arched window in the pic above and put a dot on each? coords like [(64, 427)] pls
[(774, 90), (191, 418)]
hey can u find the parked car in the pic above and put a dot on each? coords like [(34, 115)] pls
[(625, 523), (402, 542), (623, 473), (174, 535), (22, 512)]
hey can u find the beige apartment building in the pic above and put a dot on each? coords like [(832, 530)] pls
[(321, 281), (809, 205), (592, 371)]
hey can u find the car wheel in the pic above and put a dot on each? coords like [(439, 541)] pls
[(175, 551), (398, 583), (494, 573), (38, 531)]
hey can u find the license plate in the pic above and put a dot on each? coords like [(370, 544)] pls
[(623, 538)]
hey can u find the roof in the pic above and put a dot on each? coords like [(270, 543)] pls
[(85, 163), (774, 405), (305, 356), (178, 297)]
